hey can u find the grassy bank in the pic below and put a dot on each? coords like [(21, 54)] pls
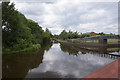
[(110, 41), (59, 40), (33, 47)]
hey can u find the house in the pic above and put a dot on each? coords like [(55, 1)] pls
[(91, 33)]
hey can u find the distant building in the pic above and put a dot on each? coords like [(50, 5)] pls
[(91, 33)]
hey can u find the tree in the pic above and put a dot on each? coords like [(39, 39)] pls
[(47, 30), (69, 35), (15, 31), (18, 31), (46, 35), (63, 34), (36, 31), (101, 33)]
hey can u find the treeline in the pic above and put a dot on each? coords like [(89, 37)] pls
[(70, 35), (18, 32)]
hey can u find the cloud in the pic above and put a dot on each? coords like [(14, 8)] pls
[(49, 1), (74, 15), (56, 61)]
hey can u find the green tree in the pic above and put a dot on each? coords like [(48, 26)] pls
[(18, 31), (48, 31), (46, 35), (15, 31), (36, 31), (101, 33), (68, 35), (63, 34)]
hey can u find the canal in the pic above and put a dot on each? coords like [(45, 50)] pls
[(53, 60)]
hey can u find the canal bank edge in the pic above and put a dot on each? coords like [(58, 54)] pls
[(31, 48), (110, 71)]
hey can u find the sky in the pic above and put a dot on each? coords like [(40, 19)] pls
[(72, 15)]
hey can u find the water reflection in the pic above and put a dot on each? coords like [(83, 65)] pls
[(70, 50), (66, 63), (17, 65), (101, 51), (58, 61)]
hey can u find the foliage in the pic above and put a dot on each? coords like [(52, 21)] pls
[(70, 35), (36, 31), (47, 35), (101, 33), (19, 32), (32, 47), (84, 35)]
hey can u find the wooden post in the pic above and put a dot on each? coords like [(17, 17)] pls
[(102, 49), (118, 41), (102, 41), (102, 46)]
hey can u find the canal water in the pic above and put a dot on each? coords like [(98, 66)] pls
[(53, 61)]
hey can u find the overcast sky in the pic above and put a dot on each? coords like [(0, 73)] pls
[(72, 15)]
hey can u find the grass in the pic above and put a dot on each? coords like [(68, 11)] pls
[(59, 40), (110, 41), (33, 47)]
